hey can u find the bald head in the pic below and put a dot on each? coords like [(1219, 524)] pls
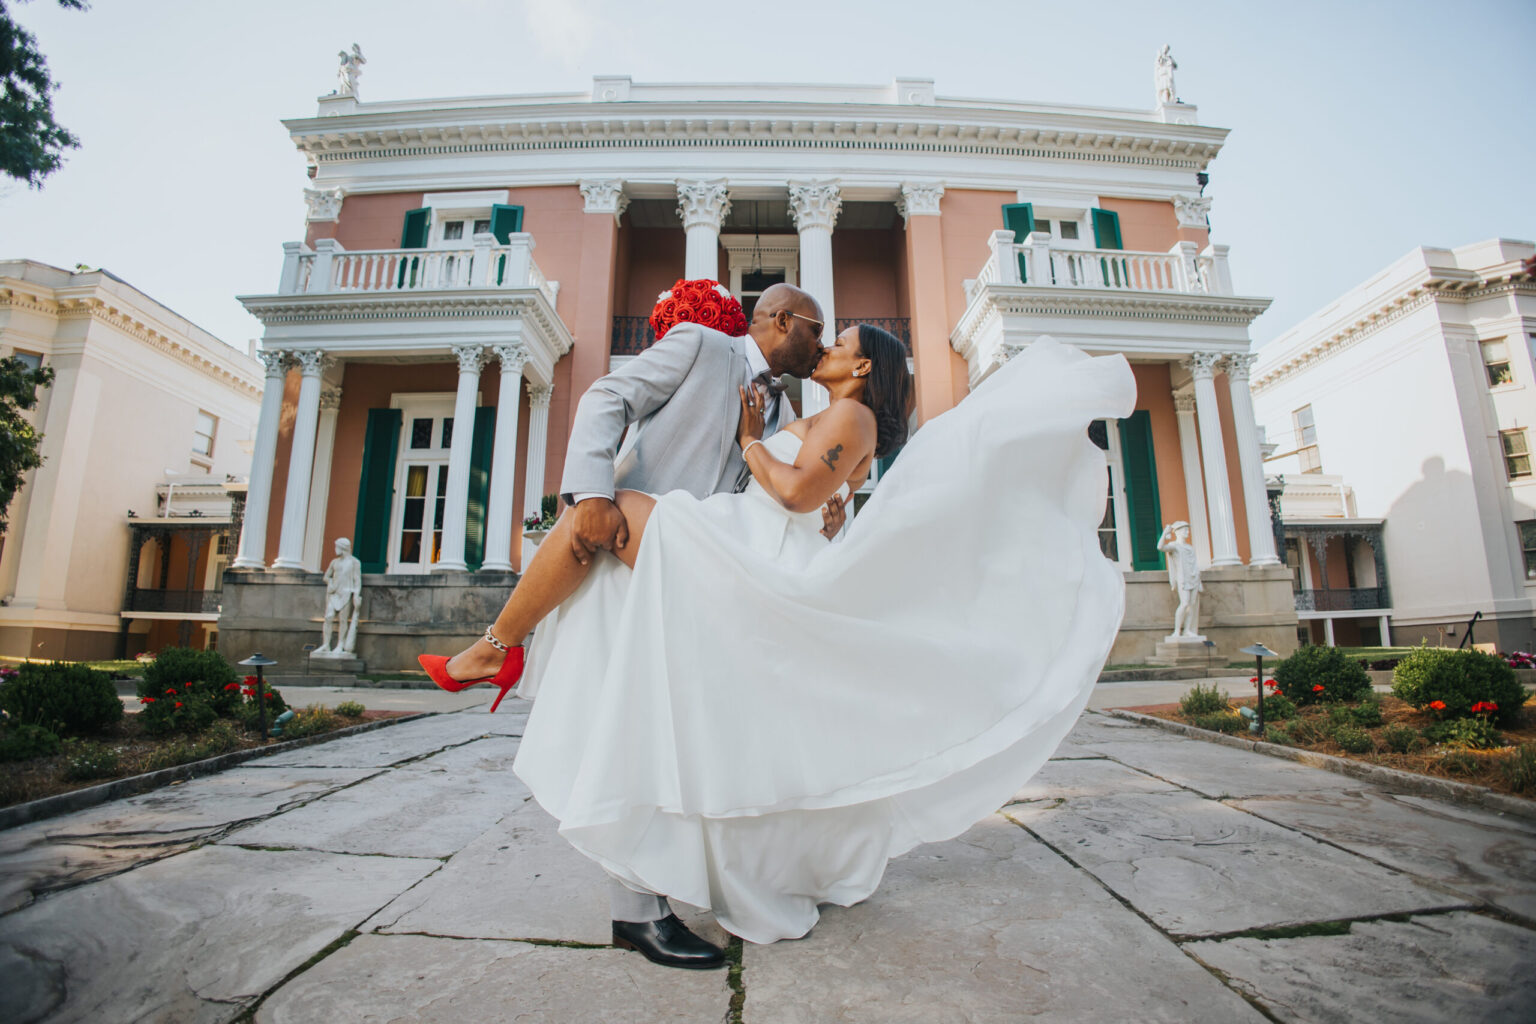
[(787, 296)]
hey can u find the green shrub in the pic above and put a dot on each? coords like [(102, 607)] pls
[(1520, 768), (1402, 739), (1458, 679), (350, 709), (1459, 762), (1220, 721), (1278, 709), (1279, 733), (25, 741), (1476, 733), (1353, 739), (247, 715), (66, 699), (203, 674), (1202, 700), (1316, 674), (308, 721), (1304, 731), (87, 760), (175, 711)]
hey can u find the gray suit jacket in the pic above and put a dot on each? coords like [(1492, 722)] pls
[(680, 398)]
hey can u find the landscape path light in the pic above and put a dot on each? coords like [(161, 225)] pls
[(261, 661), (1259, 652)]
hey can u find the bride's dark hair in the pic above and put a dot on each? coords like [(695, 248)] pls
[(888, 391)]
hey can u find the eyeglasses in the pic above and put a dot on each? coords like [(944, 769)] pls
[(820, 325)]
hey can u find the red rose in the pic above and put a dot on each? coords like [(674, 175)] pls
[(171, 692), (1253, 679), (178, 703), (1438, 705), (1318, 688)]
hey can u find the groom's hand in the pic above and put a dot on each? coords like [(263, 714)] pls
[(833, 516), (597, 523)]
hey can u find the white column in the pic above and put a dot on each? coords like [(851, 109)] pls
[(455, 514), (702, 205), (301, 461), (1328, 632), (1194, 481), (498, 519), (814, 207), (258, 494), (320, 484), (1218, 498), (1261, 534), (538, 438), (1386, 631)]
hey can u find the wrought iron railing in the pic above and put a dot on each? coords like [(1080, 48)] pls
[(631, 336), (900, 326), (179, 602), (1341, 600)]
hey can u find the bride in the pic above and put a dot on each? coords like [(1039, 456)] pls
[(735, 713)]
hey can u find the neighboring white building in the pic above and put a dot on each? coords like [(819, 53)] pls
[(118, 542), (1418, 388)]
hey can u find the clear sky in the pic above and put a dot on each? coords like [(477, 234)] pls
[(1359, 129)]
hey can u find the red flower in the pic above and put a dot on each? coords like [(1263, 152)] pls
[(1253, 679), (231, 686), (146, 700), (178, 703), (698, 301), (1438, 705), (250, 680), (171, 692), (1318, 688), (267, 695)]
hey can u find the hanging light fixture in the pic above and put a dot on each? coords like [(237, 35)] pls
[(757, 243)]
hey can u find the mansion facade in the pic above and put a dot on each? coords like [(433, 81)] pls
[(468, 267)]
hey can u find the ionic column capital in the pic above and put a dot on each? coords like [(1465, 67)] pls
[(919, 199), (604, 197), (815, 204), (1192, 211), (512, 357), (703, 203), (322, 204), (470, 357)]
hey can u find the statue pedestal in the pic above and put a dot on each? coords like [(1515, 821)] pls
[(336, 665), (1184, 651)]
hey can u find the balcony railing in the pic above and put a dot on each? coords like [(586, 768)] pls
[(1342, 600), (331, 269), (1041, 264), (178, 602), (632, 335)]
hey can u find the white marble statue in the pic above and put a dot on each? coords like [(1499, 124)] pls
[(347, 74), (343, 601), (1164, 75), (1184, 578)]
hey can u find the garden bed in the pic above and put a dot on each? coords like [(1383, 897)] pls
[(1510, 768), (125, 749)]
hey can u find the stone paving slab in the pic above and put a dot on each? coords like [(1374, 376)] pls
[(385, 747), (1198, 867), (58, 852), (427, 808), (1067, 779), (1433, 969), (1476, 852), (188, 939), (396, 978), (989, 927), (1221, 772)]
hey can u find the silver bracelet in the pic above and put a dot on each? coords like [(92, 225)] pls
[(492, 639), (749, 447)]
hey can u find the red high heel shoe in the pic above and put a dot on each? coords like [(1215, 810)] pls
[(506, 677)]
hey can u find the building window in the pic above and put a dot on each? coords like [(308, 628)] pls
[(1496, 362), (1528, 545), (452, 230), (1306, 440), (202, 437), (1517, 458), (1069, 229), (31, 360)]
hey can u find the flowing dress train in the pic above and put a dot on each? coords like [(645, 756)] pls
[(755, 720)]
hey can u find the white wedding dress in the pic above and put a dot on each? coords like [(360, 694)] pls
[(755, 720)]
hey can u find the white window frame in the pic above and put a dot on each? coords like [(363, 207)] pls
[(1116, 462), (466, 207), (434, 405), (204, 459), (1509, 366)]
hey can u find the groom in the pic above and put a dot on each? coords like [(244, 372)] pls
[(680, 403)]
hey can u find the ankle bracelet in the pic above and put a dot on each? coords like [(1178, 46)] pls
[(491, 639)]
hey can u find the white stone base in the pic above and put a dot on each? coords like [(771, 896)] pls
[(1184, 651)]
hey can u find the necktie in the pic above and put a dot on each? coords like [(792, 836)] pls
[(773, 385)]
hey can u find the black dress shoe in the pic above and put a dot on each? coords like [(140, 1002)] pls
[(667, 942)]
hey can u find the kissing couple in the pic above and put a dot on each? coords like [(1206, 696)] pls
[(732, 710)]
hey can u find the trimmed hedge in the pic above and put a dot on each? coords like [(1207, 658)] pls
[(1458, 679), (66, 699), (1315, 674)]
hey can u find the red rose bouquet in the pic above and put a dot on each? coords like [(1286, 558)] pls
[(698, 301)]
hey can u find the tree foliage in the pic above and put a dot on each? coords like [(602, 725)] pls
[(19, 439), (32, 144)]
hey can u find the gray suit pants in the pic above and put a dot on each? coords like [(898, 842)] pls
[(635, 905)]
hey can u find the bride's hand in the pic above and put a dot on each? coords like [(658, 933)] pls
[(750, 427)]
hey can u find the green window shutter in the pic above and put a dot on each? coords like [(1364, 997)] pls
[(504, 221), (479, 486), (1020, 219), (414, 234), (1141, 501), (1106, 230), (376, 489)]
